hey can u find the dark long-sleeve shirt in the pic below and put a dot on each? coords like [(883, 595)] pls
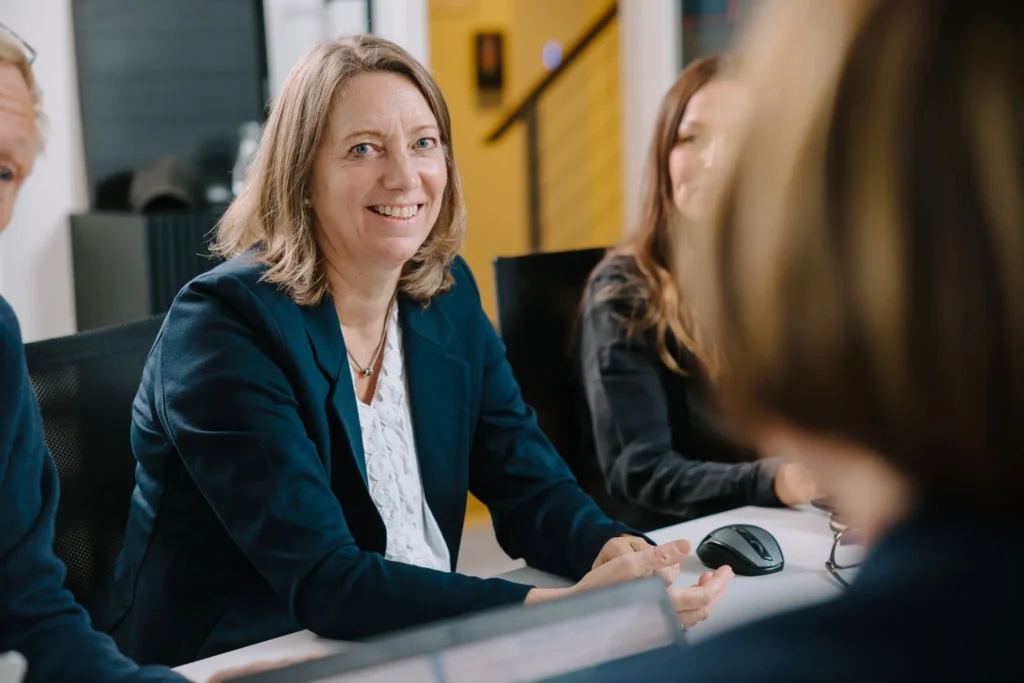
[(663, 450), (38, 617)]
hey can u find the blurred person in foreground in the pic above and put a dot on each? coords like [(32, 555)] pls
[(39, 619), (866, 282), (664, 452), (317, 409)]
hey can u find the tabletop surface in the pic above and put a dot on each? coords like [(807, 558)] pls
[(803, 534)]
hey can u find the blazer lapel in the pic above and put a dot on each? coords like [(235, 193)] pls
[(324, 332), (439, 400)]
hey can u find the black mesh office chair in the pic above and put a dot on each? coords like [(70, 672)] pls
[(85, 384), (538, 305)]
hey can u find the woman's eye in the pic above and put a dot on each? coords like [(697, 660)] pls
[(362, 149), (7, 174), (426, 143)]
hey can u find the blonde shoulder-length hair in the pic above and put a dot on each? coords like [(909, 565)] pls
[(270, 211)]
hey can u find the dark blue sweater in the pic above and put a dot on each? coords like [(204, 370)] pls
[(38, 617)]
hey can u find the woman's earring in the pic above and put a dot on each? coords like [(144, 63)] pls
[(306, 201)]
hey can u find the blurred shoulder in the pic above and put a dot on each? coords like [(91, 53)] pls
[(231, 297), (616, 285), (238, 282), (10, 332), (463, 277), (463, 296), (244, 270), (8, 320), (615, 267)]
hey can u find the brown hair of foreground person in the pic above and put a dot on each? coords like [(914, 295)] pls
[(866, 260)]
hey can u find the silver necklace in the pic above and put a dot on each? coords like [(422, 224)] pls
[(369, 369)]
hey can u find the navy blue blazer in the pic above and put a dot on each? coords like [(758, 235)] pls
[(251, 517), (939, 599), (38, 617)]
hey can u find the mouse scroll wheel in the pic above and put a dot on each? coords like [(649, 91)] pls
[(752, 540)]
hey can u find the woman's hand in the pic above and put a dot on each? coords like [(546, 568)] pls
[(794, 485), (634, 565), (694, 604), (627, 544), (619, 562)]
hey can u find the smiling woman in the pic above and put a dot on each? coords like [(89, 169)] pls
[(317, 409)]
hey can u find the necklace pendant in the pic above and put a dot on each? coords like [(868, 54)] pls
[(367, 371)]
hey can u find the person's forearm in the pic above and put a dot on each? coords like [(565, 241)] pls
[(560, 530), (763, 484), (669, 483), (65, 648), (539, 595), (354, 597)]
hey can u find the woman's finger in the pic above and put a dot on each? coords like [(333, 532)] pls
[(638, 544), (691, 598), (694, 604), (669, 574)]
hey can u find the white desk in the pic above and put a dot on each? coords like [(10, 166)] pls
[(803, 534)]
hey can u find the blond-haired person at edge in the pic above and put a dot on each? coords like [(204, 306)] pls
[(41, 627), (39, 619), (663, 451)]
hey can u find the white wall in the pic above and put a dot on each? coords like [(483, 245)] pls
[(35, 249), (294, 26), (406, 22), (650, 49)]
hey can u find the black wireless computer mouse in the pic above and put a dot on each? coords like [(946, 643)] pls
[(748, 549)]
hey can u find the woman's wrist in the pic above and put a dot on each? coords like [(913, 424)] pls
[(538, 595)]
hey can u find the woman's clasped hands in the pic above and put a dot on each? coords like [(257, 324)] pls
[(627, 558)]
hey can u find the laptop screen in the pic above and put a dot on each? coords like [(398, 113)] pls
[(509, 644), (553, 649)]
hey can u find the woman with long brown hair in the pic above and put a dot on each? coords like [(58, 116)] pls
[(663, 452)]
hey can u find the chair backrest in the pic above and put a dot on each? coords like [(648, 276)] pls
[(85, 385), (539, 299)]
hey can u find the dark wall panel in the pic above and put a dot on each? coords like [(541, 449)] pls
[(159, 77)]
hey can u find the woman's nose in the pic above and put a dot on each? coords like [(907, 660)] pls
[(401, 173)]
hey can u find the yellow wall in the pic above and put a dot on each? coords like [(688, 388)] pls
[(491, 175), (581, 167), (579, 126)]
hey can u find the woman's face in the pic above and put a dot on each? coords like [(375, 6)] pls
[(379, 175), (710, 115)]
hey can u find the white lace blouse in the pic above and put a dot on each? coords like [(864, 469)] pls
[(392, 468)]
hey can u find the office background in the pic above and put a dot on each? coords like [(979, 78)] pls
[(126, 82)]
